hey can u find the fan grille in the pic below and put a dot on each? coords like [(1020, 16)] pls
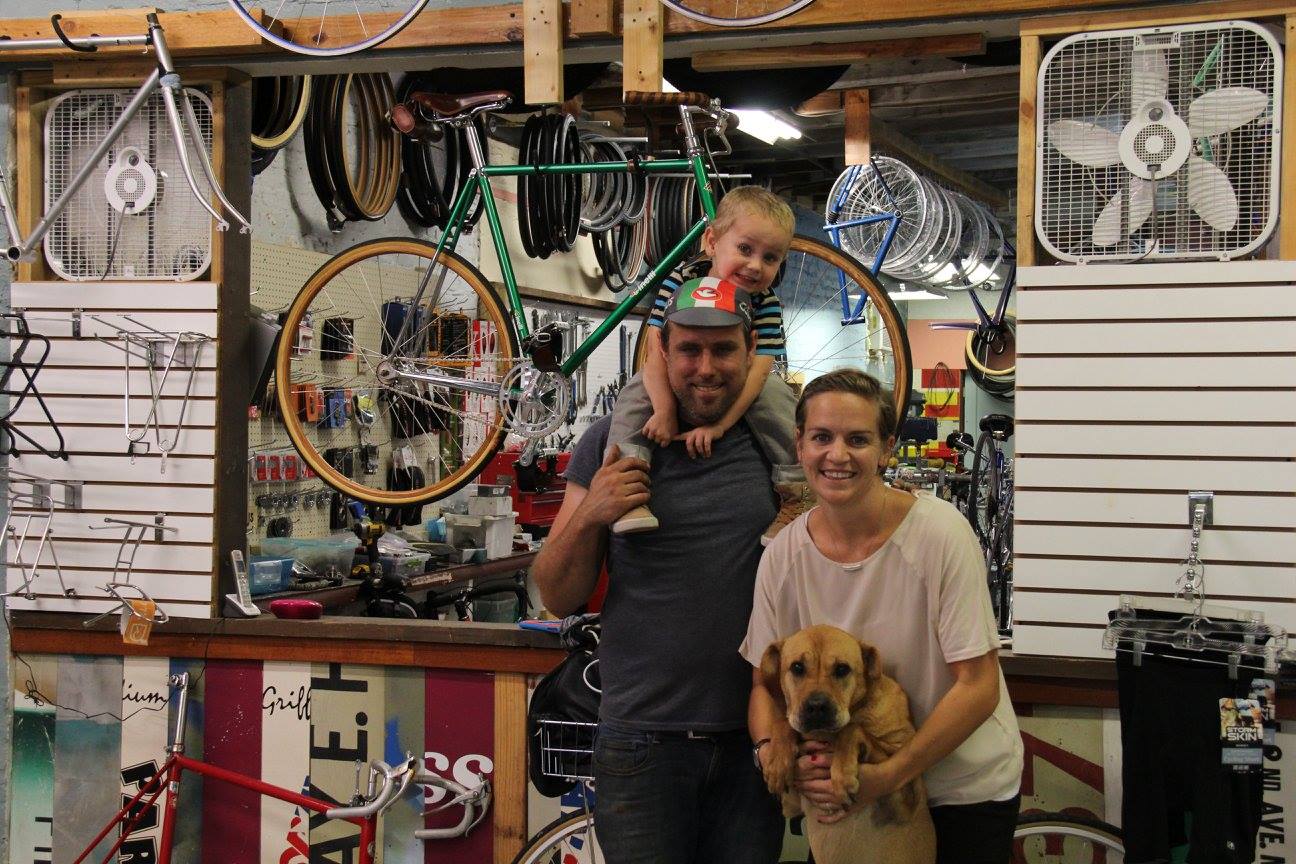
[(91, 240), (1091, 78)]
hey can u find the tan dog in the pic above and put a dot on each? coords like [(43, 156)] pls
[(829, 687)]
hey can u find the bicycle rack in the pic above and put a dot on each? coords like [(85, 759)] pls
[(157, 350), (36, 525), (130, 543), (28, 369)]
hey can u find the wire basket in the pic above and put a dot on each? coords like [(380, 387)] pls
[(567, 749)]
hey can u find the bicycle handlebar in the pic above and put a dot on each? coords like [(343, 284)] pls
[(394, 783), (647, 97), (475, 803)]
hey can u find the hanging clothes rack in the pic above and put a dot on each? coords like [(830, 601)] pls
[(1202, 633)]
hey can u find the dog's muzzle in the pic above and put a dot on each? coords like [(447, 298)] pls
[(819, 713)]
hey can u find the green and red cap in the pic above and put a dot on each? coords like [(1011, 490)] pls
[(710, 302)]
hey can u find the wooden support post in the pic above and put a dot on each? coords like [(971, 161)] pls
[(509, 806), (591, 19), (642, 49), (1287, 189), (542, 50), (859, 141), (1030, 60)]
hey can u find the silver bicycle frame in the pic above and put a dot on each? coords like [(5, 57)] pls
[(184, 127)]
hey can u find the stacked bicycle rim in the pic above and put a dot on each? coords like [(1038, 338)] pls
[(942, 238)]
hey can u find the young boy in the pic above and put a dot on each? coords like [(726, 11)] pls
[(746, 242)]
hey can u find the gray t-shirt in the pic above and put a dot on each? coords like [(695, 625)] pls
[(679, 597)]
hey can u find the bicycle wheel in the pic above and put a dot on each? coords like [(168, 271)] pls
[(817, 342), (349, 400), (569, 839), (736, 13), (304, 29), (1065, 838), (992, 361), (981, 488)]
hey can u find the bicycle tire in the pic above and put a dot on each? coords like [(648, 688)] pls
[(1082, 829), (267, 33), (548, 844), (288, 122), (737, 20), (982, 465), (473, 430), (810, 294)]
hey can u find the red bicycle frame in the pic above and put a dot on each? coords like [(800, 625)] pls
[(394, 782)]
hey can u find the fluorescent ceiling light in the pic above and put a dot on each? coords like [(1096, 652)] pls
[(759, 124), (917, 294)]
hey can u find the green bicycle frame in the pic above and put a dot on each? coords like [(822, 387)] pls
[(693, 164)]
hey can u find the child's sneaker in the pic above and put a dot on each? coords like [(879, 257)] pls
[(794, 499), (636, 520)]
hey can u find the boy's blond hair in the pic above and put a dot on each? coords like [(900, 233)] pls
[(753, 200)]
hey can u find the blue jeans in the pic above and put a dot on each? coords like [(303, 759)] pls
[(666, 798)]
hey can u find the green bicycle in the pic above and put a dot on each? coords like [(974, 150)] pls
[(422, 371)]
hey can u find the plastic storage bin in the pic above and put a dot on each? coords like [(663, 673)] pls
[(323, 555), (266, 575), (492, 533)]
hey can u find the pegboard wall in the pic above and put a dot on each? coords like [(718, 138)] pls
[(278, 272)]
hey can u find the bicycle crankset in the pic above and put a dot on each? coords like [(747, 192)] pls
[(534, 401)]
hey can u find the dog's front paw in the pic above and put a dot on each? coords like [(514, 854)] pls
[(778, 766)]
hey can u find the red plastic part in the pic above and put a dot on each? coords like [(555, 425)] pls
[(296, 608)]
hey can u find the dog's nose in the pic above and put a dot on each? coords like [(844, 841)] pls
[(818, 711)]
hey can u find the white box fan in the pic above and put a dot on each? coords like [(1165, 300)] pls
[(1159, 143), (136, 217)]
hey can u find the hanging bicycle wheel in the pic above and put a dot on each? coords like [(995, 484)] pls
[(387, 402), (1064, 838), (817, 341), (569, 839), (885, 186), (306, 27), (736, 13), (992, 358)]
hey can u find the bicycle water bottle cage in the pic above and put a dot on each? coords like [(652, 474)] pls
[(998, 425), (544, 347)]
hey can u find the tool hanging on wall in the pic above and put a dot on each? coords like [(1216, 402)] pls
[(157, 350), (27, 361)]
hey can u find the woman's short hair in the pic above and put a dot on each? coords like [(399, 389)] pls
[(853, 381)]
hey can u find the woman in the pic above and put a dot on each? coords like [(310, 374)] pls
[(903, 572)]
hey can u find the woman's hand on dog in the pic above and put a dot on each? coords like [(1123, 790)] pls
[(814, 783)]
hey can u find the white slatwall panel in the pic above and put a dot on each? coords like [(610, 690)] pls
[(1135, 385), (83, 382)]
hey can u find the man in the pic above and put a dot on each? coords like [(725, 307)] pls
[(672, 761)]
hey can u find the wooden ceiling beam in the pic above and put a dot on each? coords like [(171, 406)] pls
[(187, 33), (970, 92), (838, 53), (542, 57), (886, 137), (643, 54)]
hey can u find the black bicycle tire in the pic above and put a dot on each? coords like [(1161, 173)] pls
[(525, 185), (488, 306), (973, 484), (544, 839)]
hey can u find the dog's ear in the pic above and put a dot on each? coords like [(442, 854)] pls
[(771, 673), (872, 661)]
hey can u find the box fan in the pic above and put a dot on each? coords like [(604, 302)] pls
[(136, 217), (1159, 143)]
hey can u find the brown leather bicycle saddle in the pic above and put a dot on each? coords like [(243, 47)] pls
[(447, 104)]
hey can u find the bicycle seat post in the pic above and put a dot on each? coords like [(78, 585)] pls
[(180, 682)]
